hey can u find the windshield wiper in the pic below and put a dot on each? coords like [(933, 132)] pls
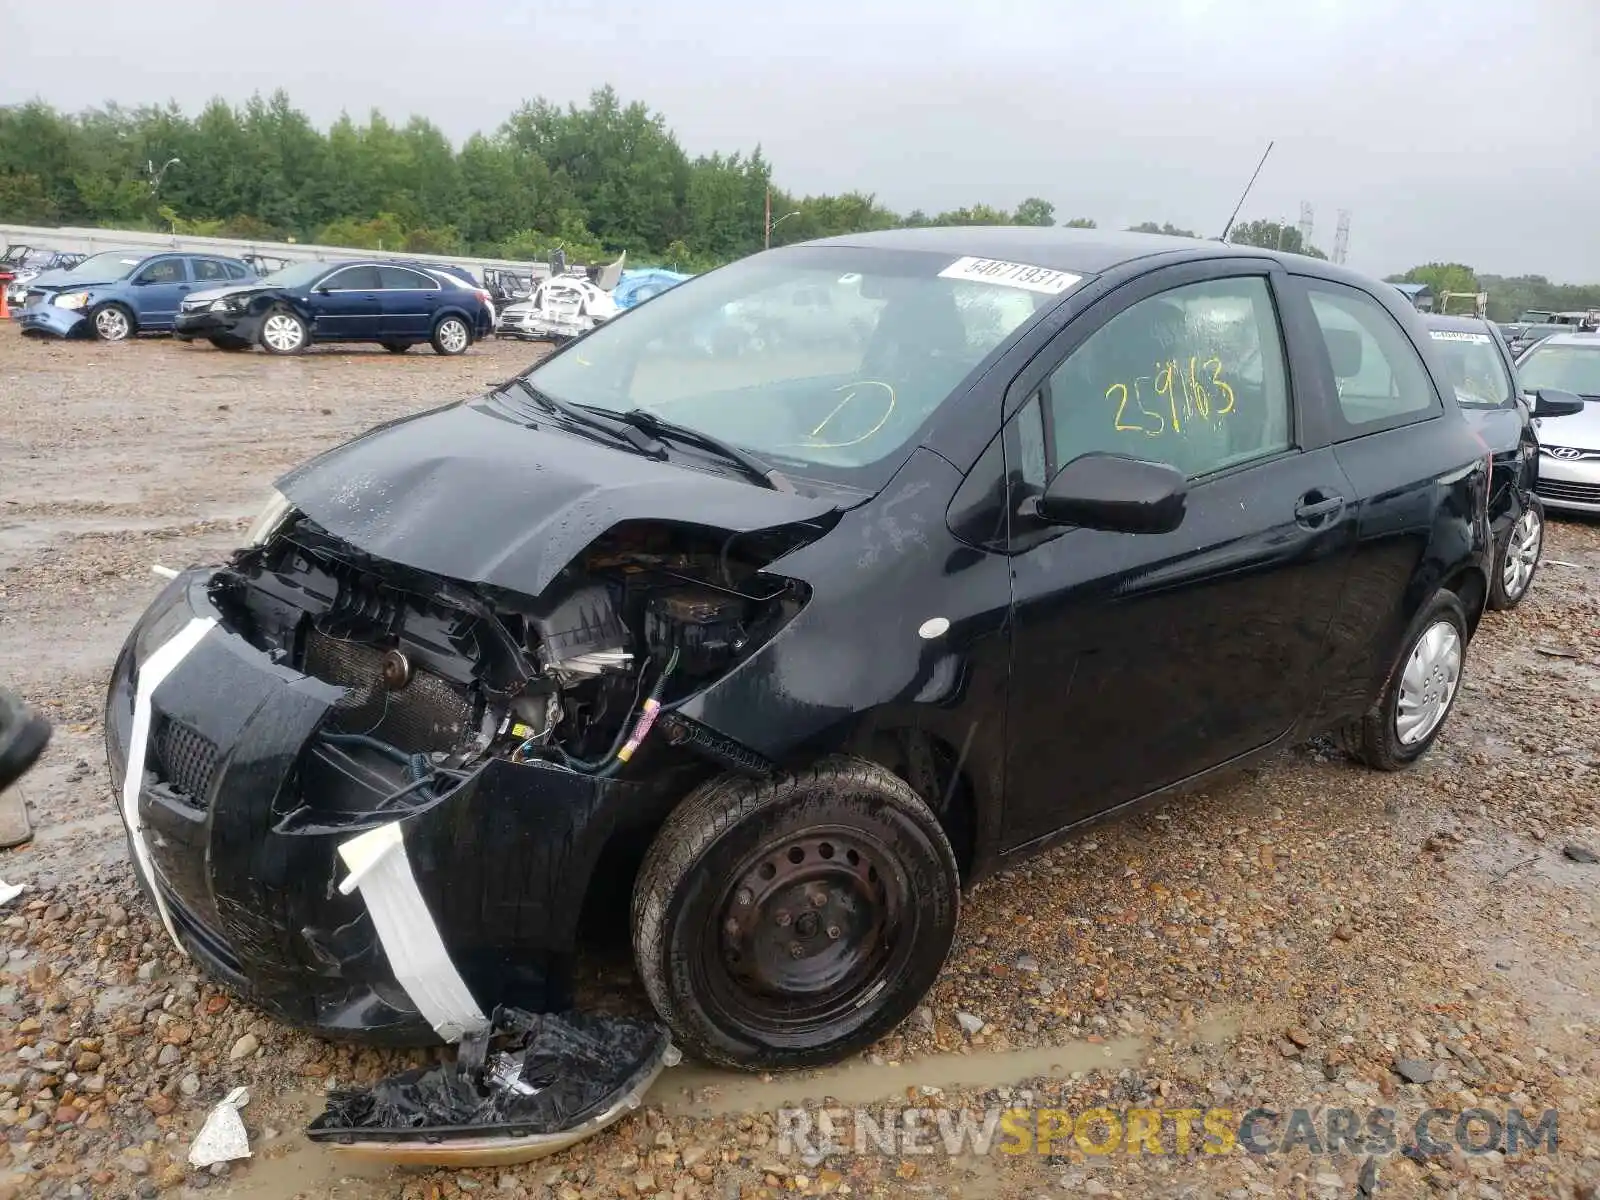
[(752, 466), (615, 429)]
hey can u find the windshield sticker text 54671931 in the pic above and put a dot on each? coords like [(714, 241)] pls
[(1010, 274)]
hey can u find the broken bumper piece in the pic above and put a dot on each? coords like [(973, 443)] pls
[(242, 823), (48, 319), (528, 1087)]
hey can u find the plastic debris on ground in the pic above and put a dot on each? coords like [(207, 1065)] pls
[(9, 891), (530, 1085), (222, 1138)]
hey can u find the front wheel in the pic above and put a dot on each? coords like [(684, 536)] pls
[(283, 332), (789, 922), (1420, 692), (451, 336), (112, 323), (1518, 560)]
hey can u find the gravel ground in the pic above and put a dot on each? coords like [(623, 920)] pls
[(1309, 935)]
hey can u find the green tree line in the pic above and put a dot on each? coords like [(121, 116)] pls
[(593, 180)]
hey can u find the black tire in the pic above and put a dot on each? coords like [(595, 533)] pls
[(277, 334), (223, 341), (451, 335), (112, 322), (1376, 738), (397, 347), (865, 866), (1526, 539)]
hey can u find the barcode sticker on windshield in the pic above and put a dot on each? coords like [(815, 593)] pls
[(1010, 274), (1457, 335)]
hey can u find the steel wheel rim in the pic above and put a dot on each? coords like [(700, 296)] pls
[(1522, 553), (111, 324), (793, 951), (282, 332), (453, 336), (1428, 683)]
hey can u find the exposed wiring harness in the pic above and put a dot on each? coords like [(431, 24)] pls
[(629, 738), (421, 773)]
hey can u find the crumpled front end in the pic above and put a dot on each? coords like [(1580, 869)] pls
[(45, 318), (372, 799)]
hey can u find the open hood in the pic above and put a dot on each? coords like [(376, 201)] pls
[(474, 493)]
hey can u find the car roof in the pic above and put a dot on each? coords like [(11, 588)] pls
[(1571, 339), (1081, 251)]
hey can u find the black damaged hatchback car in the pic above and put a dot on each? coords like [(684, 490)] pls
[(792, 602)]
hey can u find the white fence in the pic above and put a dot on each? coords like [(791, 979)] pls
[(91, 241)]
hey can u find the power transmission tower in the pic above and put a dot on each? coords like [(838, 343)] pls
[(1306, 220), (1341, 236)]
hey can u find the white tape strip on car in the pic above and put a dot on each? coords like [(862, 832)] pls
[(152, 671), (379, 867)]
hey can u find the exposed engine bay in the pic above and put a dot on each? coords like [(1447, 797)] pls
[(439, 675)]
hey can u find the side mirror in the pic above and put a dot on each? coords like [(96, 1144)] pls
[(1553, 402), (1115, 493)]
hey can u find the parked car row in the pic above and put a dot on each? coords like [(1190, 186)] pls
[(115, 295), (21, 264)]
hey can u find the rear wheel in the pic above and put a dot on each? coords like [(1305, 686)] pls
[(397, 347), (788, 922), (223, 341), (1518, 560), (451, 336), (1420, 692), (283, 332), (112, 323)]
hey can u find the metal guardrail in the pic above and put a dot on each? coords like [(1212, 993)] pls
[(92, 241)]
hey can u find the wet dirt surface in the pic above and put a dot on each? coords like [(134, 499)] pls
[(1309, 936)]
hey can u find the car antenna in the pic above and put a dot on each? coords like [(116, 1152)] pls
[(1243, 195)]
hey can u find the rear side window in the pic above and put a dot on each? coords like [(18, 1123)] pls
[(235, 270), (206, 269), (400, 277), (1193, 377), (1381, 379), (1474, 367)]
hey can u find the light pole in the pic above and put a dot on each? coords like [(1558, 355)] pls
[(157, 176), (771, 225)]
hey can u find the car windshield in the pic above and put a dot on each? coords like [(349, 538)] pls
[(1569, 368), (822, 359), (1474, 367), (113, 264), (295, 275)]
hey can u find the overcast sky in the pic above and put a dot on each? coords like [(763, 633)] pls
[(1458, 130)]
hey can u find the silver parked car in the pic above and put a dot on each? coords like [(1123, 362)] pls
[(1569, 447)]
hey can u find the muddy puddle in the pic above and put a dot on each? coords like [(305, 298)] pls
[(290, 1165)]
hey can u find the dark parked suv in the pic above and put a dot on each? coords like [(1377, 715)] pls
[(795, 640)]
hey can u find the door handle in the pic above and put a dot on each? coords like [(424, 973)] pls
[(1317, 508)]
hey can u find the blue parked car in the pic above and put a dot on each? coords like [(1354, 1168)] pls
[(394, 304), (119, 293)]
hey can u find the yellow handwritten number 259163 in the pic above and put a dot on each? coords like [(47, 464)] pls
[(1185, 395)]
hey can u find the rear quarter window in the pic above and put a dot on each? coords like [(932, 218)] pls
[(1380, 378)]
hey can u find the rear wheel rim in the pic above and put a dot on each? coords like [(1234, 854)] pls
[(111, 324), (1522, 553), (809, 930), (453, 336), (1428, 683), (283, 332)]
